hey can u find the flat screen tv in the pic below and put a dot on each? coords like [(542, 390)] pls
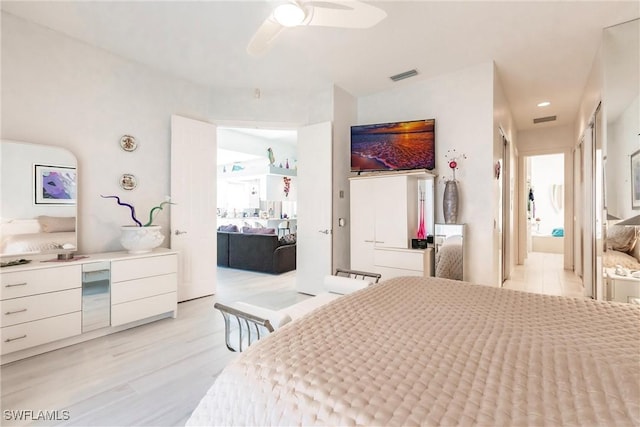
[(393, 146)]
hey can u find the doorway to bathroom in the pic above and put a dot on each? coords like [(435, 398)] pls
[(545, 203)]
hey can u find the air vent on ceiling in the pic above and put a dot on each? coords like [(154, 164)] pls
[(544, 119), (404, 75)]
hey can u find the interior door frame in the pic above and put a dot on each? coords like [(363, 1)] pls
[(506, 208)]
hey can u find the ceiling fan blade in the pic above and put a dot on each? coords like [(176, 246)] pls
[(264, 36), (347, 14)]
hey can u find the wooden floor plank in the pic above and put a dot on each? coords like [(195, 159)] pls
[(153, 375)]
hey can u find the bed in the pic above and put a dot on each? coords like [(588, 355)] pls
[(621, 248), (433, 351), (38, 235), (449, 259)]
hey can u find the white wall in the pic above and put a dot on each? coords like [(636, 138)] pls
[(503, 120), (59, 91), (462, 105), (344, 115), (591, 97), (622, 142), (232, 140)]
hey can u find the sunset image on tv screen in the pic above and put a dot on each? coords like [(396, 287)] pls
[(393, 146)]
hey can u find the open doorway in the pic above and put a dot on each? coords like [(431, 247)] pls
[(257, 194), (545, 203), (257, 177)]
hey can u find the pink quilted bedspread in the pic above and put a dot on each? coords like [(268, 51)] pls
[(428, 351)]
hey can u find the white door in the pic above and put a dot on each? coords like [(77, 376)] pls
[(314, 238), (193, 217), (362, 207), (577, 209), (392, 217)]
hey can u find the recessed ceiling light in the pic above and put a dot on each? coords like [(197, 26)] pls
[(544, 104)]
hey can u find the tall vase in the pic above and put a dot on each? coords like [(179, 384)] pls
[(450, 202), (421, 234)]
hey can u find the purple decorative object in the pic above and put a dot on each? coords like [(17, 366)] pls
[(131, 208)]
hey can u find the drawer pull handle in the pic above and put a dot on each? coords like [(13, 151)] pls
[(16, 338), (15, 284), (16, 311)]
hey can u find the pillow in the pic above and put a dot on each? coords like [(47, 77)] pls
[(231, 228), (288, 239), (621, 238), (250, 230), (344, 285), (56, 224), (613, 258), (452, 240)]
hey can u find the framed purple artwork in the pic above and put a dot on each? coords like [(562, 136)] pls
[(55, 185)]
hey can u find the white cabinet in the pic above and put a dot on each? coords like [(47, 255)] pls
[(39, 305), (403, 262), (384, 216), (622, 288), (143, 287), (42, 302)]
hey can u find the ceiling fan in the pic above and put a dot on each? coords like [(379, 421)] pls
[(333, 13)]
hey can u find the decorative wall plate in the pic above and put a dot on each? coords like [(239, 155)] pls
[(128, 143), (128, 181)]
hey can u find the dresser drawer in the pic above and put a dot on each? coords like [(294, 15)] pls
[(30, 334), (132, 269), (140, 309), (143, 288), (406, 260), (39, 281), (27, 309)]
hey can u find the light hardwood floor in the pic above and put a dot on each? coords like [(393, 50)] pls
[(544, 273), (152, 375), (155, 375)]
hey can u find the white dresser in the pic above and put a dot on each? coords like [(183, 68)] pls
[(384, 219), (621, 288), (42, 302), (40, 305), (403, 262), (143, 287)]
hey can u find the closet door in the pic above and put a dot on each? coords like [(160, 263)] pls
[(392, 216), (363, 212)]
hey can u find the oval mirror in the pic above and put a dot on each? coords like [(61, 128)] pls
[(39, 199)]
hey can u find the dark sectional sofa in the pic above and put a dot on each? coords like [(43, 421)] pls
[(257, 252)]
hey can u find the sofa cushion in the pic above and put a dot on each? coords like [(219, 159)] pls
[(252, 251), (229, 228), (258, 230), (223, 249), (288, 239)]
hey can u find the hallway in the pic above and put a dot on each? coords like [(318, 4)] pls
[(544, 273)]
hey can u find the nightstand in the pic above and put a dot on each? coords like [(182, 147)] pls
[(621, 288)]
